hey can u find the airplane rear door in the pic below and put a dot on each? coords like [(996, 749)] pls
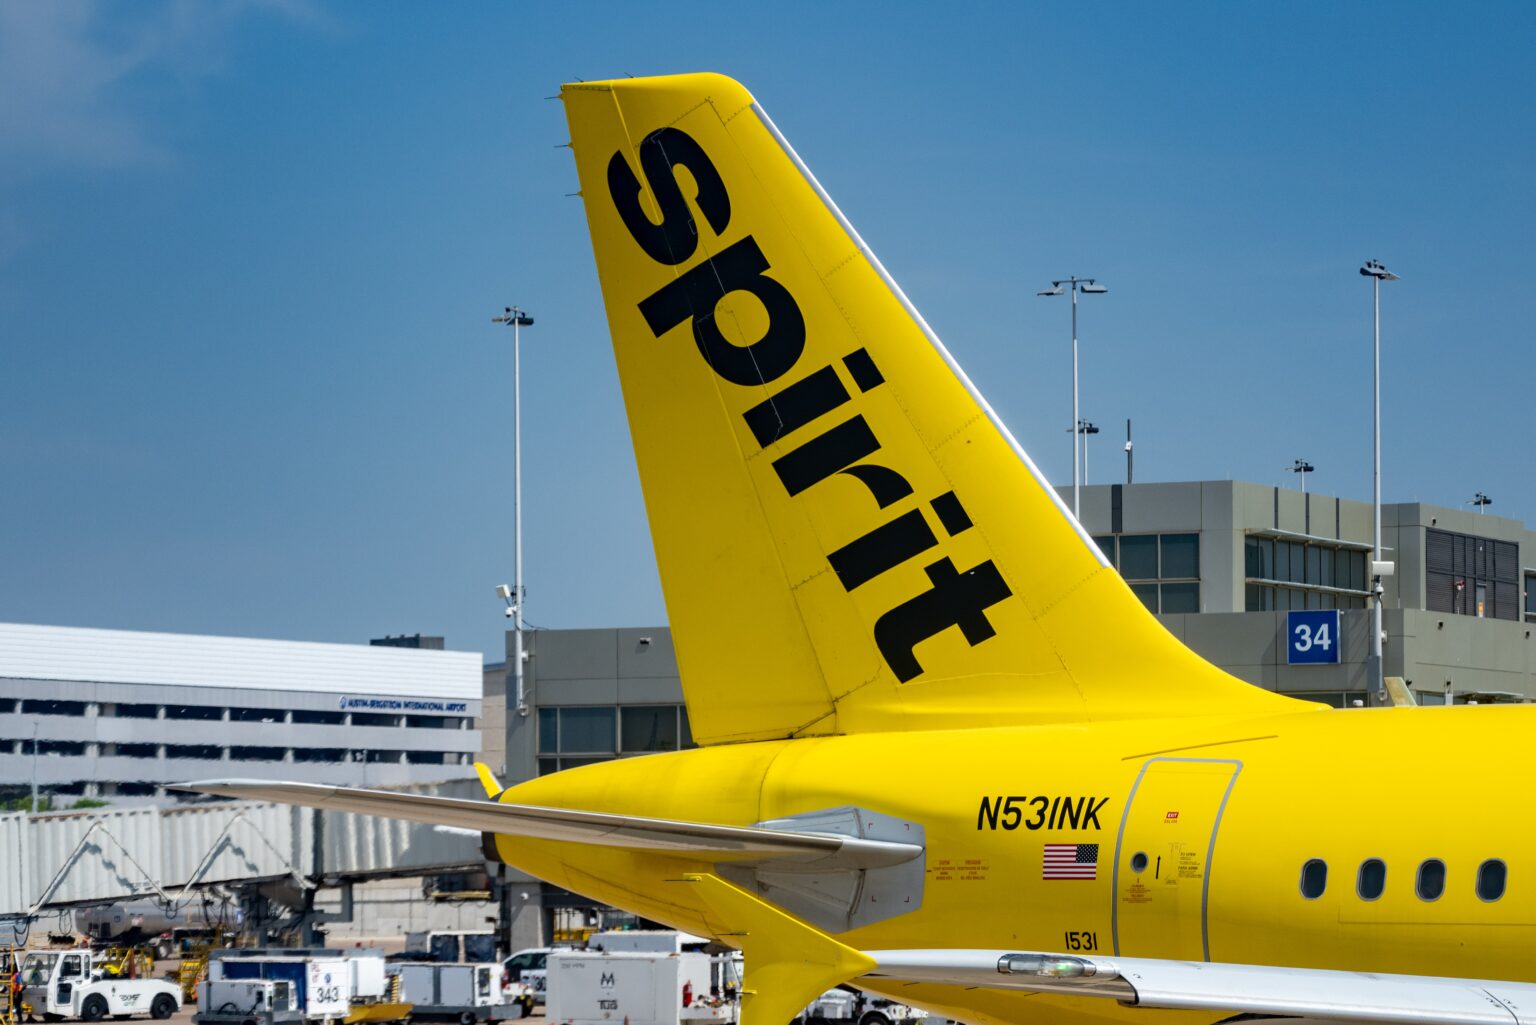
[(1163, 857)]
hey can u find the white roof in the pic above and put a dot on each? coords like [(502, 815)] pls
[(192, 660)]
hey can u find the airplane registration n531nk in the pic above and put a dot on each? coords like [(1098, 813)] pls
[(947, 755)]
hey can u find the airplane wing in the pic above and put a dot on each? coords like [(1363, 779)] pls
[(1256, 992), (715, 842)]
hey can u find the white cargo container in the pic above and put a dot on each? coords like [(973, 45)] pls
[(268, 1001), (633, 988), (654, 941), (321, 985), (459, 992), (369, 984), (366, 981)]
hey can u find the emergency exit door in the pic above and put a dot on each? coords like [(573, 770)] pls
[(1163, 857)]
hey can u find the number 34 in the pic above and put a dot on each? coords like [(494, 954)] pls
[(1306, 638)]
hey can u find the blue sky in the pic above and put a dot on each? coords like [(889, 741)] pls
[(249, 252)]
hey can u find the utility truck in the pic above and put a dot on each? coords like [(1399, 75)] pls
[(59, 984)]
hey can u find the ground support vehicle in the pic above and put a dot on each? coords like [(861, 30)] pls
[(637, 988), (527, 966), (848, 1006), (59, 984), (463, 993), (265, 987)]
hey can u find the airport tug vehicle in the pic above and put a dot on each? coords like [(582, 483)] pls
[(60, 984)]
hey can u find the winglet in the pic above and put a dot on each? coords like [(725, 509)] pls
[(493, 787), (788, 963), (1398, 694)]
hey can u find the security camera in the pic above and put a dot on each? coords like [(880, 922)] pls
[(511, 611)]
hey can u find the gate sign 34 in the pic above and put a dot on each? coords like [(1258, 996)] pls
[(1313, 637)]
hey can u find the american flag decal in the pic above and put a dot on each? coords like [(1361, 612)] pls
[(1070, 861)]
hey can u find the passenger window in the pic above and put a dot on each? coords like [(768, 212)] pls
[(70, 968), (1314, 879), (1372, 879), (1490, 880), (1431, 882)]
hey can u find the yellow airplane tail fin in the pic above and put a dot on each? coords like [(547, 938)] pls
[(848, 537)]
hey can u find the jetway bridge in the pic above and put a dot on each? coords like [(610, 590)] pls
[(54, 861)]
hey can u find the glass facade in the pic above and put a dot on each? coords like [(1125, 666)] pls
[(570, 736), (1163, 570), (1283, 573), (1467, 575)]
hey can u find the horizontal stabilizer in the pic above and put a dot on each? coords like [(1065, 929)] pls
[(1256, 991), (707, 840)]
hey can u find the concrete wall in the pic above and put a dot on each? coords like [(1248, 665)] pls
[(493, 720), (624, 666)]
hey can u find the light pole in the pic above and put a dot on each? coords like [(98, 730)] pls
[(1374, 270), (1090, 287), (1302, 467), (1482, 502), (1129, 450), (1086, 428), (518, 319)]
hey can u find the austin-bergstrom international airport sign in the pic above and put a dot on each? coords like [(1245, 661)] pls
[(403, 705)]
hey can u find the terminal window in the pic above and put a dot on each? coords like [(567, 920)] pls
[(245, 753), (318, 754), (33, 707), (256, 714), (319, 718), (1290, 574), (1162, 569), (572, 736), (1471, 576), (139, 750), (207, 752), (202, 713), (1530, 597), (53, 747)]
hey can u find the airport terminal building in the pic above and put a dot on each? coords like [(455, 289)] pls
[(114, 713), (1222, 563)]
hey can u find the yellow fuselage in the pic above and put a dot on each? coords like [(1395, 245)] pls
[(1225, 811)]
